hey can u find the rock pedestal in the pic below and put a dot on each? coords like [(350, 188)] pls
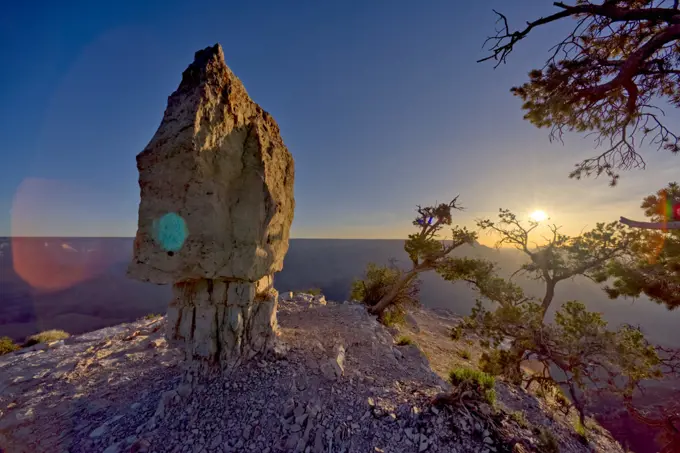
[(216, 186), (222, 321)]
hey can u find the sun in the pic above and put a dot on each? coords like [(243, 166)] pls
[(538, 215)]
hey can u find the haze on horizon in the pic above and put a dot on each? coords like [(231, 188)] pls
[(382, 106)]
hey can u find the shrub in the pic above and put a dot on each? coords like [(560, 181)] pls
[(312, 291), (486, 344), (547, 442), (377, 283), (46, 337), (561, 399), (519, 418), (7, 345), (482, 383), (456, 333), (404, 340), (393, 316), (500, 363), (461, 374), (152, 316), (464, 354), (581, 431)]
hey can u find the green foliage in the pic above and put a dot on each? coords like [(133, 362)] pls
[(378, 281), (481, 274), (652, 266), (498, 362), (464, 354), (404, 340), (150, 316), (562, 257), (600, 79), (460, 374), (581, 431), (312, 291), (519, 418), (424, 248), (590, 356), (46, 337), (456, 333), (547, 442), (393, 316), (481, 383), (7, 345)]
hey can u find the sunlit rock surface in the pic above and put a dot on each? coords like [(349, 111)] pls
[(216, 184)]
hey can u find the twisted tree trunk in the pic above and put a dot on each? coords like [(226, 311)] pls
[(388, 298), (548, 297)]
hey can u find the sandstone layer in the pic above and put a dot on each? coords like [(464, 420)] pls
[(216, 186)]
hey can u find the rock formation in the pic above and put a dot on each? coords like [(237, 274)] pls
[(216, 183)]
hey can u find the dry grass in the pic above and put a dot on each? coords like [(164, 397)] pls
[(7, 345), (46, 337)]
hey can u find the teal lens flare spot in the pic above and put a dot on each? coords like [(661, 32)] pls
[(170, 231)]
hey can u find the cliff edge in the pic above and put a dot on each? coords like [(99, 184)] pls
[(336, 382)]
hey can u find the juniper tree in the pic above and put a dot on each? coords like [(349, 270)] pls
[(590, 357), (425, 248), (561, 257), (377, 282), (608, 77), (652, 265)]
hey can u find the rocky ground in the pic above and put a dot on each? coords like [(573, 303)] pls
[(337, 383)]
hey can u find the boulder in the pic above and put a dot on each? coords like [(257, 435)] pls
[(216, 186)]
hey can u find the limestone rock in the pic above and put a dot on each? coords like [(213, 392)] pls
[(216, 183), (222, 321), (412, 323)]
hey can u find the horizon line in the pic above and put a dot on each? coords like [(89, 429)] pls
[(132, 237)]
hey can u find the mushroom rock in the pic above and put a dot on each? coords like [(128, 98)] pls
[(216, 184)]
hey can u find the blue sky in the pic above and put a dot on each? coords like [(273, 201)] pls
[(381, 104)]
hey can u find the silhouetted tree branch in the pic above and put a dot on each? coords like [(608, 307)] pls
[(620, 58)]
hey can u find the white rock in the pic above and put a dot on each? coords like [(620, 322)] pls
[(98, 432), (113, 448)]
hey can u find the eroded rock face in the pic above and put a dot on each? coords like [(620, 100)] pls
[(216, 184), (222, 321)]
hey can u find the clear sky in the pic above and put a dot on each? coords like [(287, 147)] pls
[(381, 104)]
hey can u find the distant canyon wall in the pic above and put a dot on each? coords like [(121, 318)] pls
[(108, 297)]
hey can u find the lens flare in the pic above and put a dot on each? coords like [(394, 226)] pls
[(51, 264), (170, 232)]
